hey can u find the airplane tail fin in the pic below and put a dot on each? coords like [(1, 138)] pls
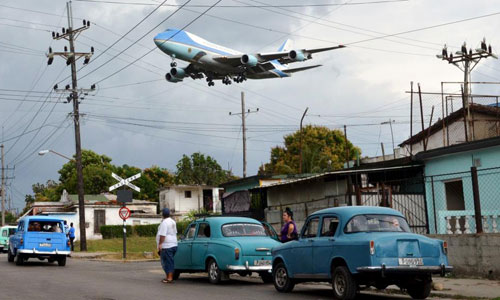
[(286, 46)]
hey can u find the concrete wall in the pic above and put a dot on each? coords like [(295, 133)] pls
[(303, 198), (473, 254)]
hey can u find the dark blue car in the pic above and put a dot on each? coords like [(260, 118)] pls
[(360, 246), (39, 237)]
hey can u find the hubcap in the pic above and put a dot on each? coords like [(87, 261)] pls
[(213, 270), (281, 277), (339, 284)]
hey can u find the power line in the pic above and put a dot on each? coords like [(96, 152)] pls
[(248, 6)]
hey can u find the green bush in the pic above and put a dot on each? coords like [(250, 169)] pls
[(146, 230), (182, 225), (114, 231)]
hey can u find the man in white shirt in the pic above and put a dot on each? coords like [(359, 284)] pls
[(166, 241)]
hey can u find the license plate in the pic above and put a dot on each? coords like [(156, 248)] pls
[(412, 262), (262, 262), (45, 245)]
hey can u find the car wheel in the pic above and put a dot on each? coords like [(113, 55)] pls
[(61, 261), (214, 273), (10, 256), (343, 284), (281, 281), (177, 273), (266, 277), (19, 259), (420, 290)]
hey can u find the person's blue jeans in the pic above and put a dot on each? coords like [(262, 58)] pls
[(167, 259)]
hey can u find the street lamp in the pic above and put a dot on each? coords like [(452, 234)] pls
[(43, 152), (392, 136)]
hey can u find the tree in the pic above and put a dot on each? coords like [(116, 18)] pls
[(96, 174), (51, 191), (201, 170), (323, 150)]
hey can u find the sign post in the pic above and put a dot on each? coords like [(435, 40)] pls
[(124, 196)]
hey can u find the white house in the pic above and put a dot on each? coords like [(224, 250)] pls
[(99, 210), (181, 199)]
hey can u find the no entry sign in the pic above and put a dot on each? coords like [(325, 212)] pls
[(124, 213)]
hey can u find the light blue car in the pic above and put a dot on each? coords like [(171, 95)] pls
[(225, 245), (39, 237), (360, 246)]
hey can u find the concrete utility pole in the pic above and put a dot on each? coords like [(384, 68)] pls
[(243, 117), (392, 136), (301, 119), (71, 57), (469, 60), (3, 187)]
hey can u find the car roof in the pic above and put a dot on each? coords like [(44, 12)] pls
[(225, 220), (349, 211), (8, 226), (41, 218)]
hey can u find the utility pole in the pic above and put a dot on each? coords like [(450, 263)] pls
[(301, 119), (3, 187), (468, 59), (70, 34), (243, 117)]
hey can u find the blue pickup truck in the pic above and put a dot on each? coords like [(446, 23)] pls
[(39, 237)]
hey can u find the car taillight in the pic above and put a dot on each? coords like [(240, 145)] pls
[(372, 247), (22, 241), (445, 247), (68, 243), (236, 253)]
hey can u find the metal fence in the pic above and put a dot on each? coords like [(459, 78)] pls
[(464, 202)]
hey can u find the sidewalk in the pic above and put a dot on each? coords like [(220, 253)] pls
[(461, 288), (110, 257)]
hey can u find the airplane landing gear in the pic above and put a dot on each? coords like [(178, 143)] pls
[(173, 64), (240, 78), (226, 80), (210, 81)]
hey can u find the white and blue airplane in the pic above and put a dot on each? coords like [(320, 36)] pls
[(214, 62)]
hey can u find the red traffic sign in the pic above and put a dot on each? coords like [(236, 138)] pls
[(124, 213)]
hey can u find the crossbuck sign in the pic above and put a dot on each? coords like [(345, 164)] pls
[(126, 182)]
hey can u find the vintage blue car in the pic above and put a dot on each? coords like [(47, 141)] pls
[(360, 246), (39, 237), (224, 245)]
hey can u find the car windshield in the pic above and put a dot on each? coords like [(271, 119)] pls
[(377, 223), (243, 229)]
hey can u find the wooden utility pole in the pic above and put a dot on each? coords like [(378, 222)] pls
[(422, 116), (71, 57), (301, 119), (243, 128), (411, 118)]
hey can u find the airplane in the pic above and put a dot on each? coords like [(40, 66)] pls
[(214, 62)]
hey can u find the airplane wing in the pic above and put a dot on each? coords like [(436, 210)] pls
[(300, 69), (281, 57)]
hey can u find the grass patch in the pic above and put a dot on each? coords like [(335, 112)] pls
[(135, 245)]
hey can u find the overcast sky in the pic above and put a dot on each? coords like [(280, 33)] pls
[(138, 118)]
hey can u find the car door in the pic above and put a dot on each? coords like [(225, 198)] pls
[(302, 253), (17, 236), (200, 246), (184, 247), (324, 245)]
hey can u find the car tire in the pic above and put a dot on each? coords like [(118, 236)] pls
[(19, 259), (266, 277), (214, 273), (61, 261), (177, 273), (10, 256), (420, 290), (343, 283), (282, 282)]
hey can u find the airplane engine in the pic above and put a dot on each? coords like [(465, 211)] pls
[(249, 60), (296, 55), (178, 73), (171, 78)]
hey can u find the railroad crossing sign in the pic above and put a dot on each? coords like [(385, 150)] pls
[(124, 213), (126, 182)]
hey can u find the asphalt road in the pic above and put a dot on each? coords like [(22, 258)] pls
[(93, 280)]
